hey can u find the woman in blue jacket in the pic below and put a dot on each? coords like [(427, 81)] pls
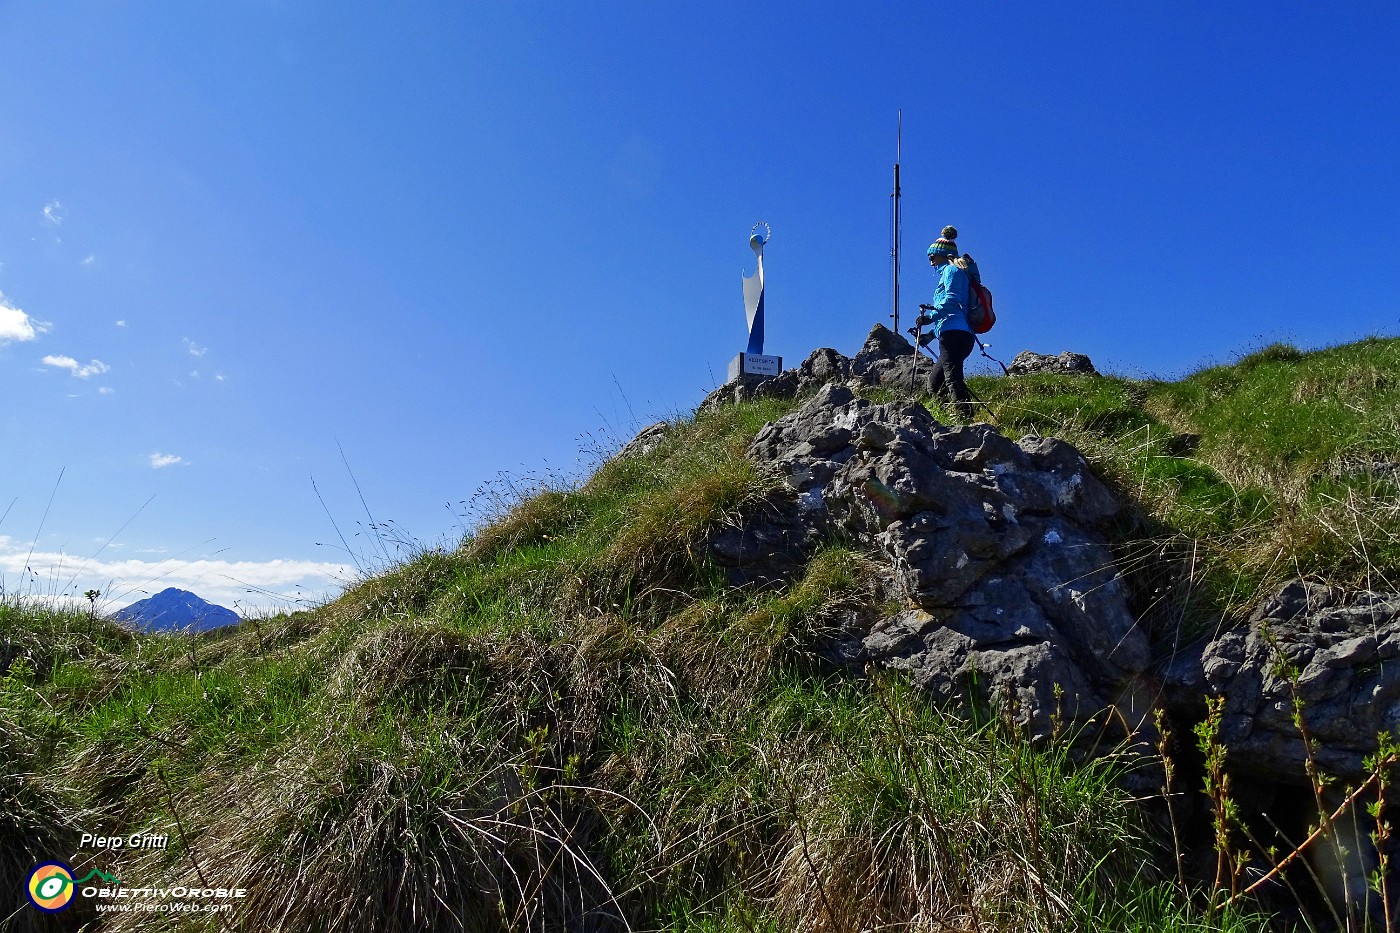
[(948, 318)]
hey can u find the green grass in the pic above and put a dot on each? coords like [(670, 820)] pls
[(1296, 416), (571, 717)]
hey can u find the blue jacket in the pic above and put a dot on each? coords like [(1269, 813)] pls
[(950, 301)]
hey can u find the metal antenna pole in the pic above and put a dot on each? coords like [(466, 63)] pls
[(894, 248)]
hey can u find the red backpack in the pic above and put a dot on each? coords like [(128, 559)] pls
[(980, 316)]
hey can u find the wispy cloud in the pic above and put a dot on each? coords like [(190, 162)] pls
[(160, 461), (106, 390), (121, 323), (16, 326), (79, 370), (53, 212), (241, 585), (89, 259), (194, 348)]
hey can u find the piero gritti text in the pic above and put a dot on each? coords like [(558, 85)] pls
[(134, 841)]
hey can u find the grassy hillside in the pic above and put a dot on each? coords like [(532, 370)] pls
[(571, 722), (1282, 464)]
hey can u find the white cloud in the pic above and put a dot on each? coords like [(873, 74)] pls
[(160, 461), (245, 586), (89, 259), (218, 377), (121, 323), (53, 212), (106, 390), (16, 326), (93, 367), (194, 348)]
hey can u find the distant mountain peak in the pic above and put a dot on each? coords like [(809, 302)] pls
[(174, 609)]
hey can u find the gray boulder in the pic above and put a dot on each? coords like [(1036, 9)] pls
[(647, 440), (888, 360), (1340, 652), (996, 547), (1028, 363)]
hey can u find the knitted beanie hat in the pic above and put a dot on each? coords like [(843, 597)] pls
[(944, 245)]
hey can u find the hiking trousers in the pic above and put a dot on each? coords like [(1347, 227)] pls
[(954, 347)]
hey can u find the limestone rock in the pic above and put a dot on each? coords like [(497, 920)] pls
[(1028, 363), (996, 546), (1344, 649), (887, 359), (646, 440)]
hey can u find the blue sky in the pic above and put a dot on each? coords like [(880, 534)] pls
[(245, 244)]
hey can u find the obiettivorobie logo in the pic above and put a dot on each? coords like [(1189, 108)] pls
[(51, 885)]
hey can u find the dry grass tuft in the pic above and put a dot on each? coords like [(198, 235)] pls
[(533, 520), (400, 593), (940, 826), (39, 816), (428, 830), (422, 663)]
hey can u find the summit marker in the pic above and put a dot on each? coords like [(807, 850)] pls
[(752, 362)]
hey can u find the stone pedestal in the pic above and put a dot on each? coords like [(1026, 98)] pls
[(754, 364)]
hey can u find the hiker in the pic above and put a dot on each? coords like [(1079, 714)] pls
[(947, 316)]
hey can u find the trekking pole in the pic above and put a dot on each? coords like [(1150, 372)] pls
[(981, 347), (986, 406), (918, 331)]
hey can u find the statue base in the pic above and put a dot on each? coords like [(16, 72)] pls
[(754, 364)]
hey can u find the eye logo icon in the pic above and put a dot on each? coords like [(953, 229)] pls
[(50, 886)]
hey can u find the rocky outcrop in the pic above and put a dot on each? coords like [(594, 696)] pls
[(1337, 652), (1027, 363), (995, 546), (886, 360), (997, 552), (823, 366)]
